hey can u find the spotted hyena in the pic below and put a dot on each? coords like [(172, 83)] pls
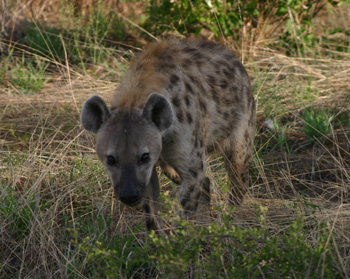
[(179, 101)]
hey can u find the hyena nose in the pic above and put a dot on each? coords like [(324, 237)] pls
[(129, 196)]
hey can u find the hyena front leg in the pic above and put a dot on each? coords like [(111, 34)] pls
[(151, 204), (194, 193)]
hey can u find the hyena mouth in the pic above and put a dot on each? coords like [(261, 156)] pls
[(133, 201)]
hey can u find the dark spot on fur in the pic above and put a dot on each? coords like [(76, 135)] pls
[(246, 135), (201, 143), (234, 89), (202, 106), (180, 116), (246, 161), (226, 114), (218, 109), (193, 172), (212, 80), (234, 112), (165, 66), (226, 73), (174, 79), (214, 95), (236, 98), (227, 100), (186, 63), (187, 101), (195, 53), (208, 45), (224, 63), (223, 84), (199, 63), (196, 142), (176, 102), (188, 87), (190, 50), (189, 118)]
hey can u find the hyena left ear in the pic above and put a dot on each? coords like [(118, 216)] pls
[(94, 113), (158, 110)]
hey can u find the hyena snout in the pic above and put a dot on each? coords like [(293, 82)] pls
[(129, 195), (130, 191)]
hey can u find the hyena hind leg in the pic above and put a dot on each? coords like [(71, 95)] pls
[(151, 203), (237, 167)]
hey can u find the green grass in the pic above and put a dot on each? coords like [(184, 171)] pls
[(58, 215), (29, 75)]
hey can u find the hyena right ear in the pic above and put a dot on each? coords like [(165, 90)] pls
[(159, 111), (94, 113)]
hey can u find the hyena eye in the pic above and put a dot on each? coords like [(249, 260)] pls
[(144, 158), (111, 160)]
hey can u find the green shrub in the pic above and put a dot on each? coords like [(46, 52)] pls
[(183, 16), (317, 123)]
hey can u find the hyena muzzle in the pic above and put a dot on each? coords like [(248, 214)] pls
[(179, 101)]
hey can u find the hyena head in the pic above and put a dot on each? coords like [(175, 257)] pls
[(128, 143)]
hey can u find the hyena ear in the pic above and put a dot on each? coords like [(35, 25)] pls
[(94, 113), (158, 110)]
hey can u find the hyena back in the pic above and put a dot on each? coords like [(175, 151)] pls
[(179, 101)]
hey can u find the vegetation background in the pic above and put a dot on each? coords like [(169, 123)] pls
[(58, 217)]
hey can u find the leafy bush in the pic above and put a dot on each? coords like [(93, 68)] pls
[(292, 18), (220, 251), (220, 17)]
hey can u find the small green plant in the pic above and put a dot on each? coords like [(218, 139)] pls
[(29, 75), (317, 123), (20, 210), (45, 42), (279, 134)]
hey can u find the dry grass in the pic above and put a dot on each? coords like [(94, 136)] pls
[(52, 183)]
